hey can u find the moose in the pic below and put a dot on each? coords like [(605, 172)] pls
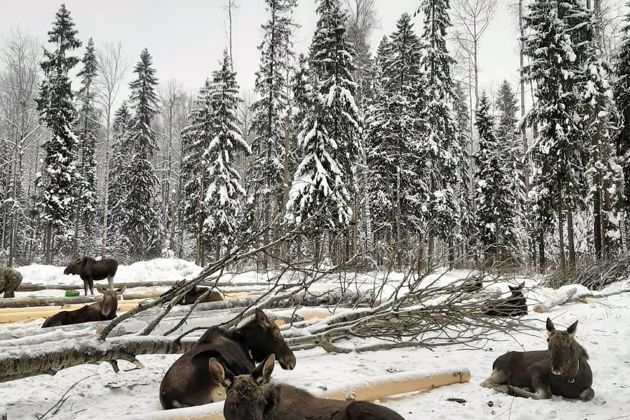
[(253, 397), (195, 378), (10, 280), (90, 269), (103, 310), (515, 305), (562, 369), (194, 294)]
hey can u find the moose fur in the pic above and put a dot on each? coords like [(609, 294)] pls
[(10, 280), (515, 305), (192, 296), (194, 378), (252, 397), (104, 310), (562, 369), (89, 270)]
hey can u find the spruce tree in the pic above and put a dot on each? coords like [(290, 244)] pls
[(57, 112), (494, 191), (141, 224), (393, 154), (118, 188), (559, 151), (87, 130), (269, 123), (324, 180), (196, 137), (224, 192), (622, 99), (438, 144)]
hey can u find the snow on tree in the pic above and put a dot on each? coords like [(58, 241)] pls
[(438, 145), (119, 165), (324, 180), (396, 186), (622, 99), (558, 153), (60, 174), (141, 223), (87, 127), (495, 196), (269, 124), (196, 137), (224, 193)]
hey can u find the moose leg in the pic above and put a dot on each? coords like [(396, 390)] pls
[(587, 395), (85, 286), (91, 282), (495, 379), (542, 393), (110, 280)]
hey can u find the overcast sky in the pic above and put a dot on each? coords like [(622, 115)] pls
[(186, 37)]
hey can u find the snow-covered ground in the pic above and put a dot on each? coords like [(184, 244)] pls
[(604, 328)]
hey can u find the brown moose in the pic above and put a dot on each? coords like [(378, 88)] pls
[(515, 305), (194, 294), (104, 310), (562, 369), (195, 378), (252, 397), (90, 269)]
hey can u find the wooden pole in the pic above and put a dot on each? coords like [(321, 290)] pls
[(367, 390)]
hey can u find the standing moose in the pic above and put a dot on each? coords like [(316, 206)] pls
[(89, 269)]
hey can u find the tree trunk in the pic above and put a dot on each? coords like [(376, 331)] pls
[(571, 239), (541, 252), (563, 263)]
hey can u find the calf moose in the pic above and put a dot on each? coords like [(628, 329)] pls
[(89, 269), (104, 310), (515, 305), (252, 397), (10, 280), (562, 369), (196, 378)]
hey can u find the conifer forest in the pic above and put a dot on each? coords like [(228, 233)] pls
[(390, 190)]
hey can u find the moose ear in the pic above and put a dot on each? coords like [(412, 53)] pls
[(513, 288), (216, 369), (521, 286), (550, 326), (262, 373), (100, 289), (262, 319), (571, 329), (121, 291)]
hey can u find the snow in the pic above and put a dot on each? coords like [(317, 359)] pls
[(604, 325)]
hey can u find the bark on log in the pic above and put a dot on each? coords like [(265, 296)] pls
[(548, 305), (73, 352), (27, 302), (368, 390), (36, 287)]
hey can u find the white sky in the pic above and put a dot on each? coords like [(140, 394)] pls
[(186, 37)]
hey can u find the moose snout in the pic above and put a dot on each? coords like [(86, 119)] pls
[(288, 362)]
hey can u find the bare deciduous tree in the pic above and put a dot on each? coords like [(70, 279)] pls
[(112, 67)]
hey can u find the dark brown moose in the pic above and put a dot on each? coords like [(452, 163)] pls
[(89, 269), (515, 305), (252, 397), (195, 293), (195, 378), (100, 311), (562, 369)]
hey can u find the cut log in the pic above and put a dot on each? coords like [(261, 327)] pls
[(368, 390), (548, 305), (35, 287)]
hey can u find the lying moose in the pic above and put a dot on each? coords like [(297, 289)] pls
[(104, 310), (253, 397), (515, 305), (89, 269), (562, 369), (194, 294), (202, 373)]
